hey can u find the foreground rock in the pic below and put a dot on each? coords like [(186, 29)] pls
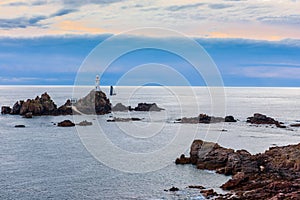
[(273, 174), (206, 119), (66, 123), (258, 118)]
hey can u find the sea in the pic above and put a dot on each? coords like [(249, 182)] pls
[(135, 159)]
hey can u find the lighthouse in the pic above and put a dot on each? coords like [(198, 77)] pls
[(97, 83)]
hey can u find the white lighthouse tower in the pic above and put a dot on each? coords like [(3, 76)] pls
[(97, 83)]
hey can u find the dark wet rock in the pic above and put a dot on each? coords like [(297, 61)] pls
[(182, 160), (295, 125), (271, 174), (120, 107), (117, 119), (261, 119), (28, 115), (147, 107), (65, 109), (230, 119), (205, 119), (173, 189), (16, 108), (208, 193), (5, 110), (66, 123), (200, 187), (95, 102), (19, 126)]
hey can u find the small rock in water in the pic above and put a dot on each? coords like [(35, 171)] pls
[(85, 123), (173, 189), (19, 126), (208, 193), (66, 123), (200, 187)]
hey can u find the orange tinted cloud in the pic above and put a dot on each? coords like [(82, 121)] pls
[(74, 26)]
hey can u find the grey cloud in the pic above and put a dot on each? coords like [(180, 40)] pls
[(288, 19), (20, 22), (219, 6), (63, 12), (17, 4), (182, 7)]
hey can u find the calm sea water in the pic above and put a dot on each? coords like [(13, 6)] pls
[(43, 161)]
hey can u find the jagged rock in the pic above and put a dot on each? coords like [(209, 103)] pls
[(95, 102), (120, 107), (65, 109), (85, 123), (261, 119), (66, 123), (5, 110), (271, 174), (16, 108), (147, 107), (205, 119)]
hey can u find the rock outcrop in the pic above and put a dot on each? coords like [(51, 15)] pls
[(95, 102), (258, 118), (119, 107), (147, 107), (272, 174), (205, 119), (118, 119), (66, 123)]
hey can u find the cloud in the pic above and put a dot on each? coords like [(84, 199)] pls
[(182, 7), (63, 12), (271, 72), (20, 22), (219, 6), (287, 19)]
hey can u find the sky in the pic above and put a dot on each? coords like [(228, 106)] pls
[(253, 43)]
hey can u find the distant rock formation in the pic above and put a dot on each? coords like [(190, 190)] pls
[(205, 119), (263, 119), (95, 102), (140, 107), (273, 174), (118, 119)]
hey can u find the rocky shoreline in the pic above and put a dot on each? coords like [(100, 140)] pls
[(274, 174)]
